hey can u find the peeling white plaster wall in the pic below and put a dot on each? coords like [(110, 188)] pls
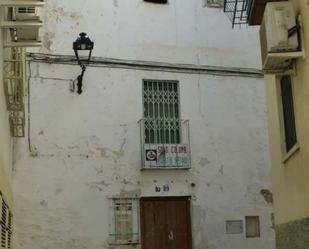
[(181, 32), (88, 146)]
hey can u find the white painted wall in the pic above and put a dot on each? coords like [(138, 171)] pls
[(88, 146), (182, 31)]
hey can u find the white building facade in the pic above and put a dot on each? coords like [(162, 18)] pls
[(165, 148)]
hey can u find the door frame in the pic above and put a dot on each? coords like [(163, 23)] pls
[(167, 198)]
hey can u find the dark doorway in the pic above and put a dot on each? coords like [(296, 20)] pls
[(166, 223)]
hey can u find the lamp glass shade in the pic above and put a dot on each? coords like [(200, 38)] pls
[(83, 42)]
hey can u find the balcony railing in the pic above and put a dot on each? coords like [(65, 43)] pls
[(237, 11), (165, 145), (245, 11)]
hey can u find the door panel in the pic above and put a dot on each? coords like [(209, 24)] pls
[(154, 219), (165, 223), (177, 225)]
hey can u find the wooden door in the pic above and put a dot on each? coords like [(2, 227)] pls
[(166, 223)]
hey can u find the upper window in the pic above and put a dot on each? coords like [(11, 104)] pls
[(124, 224), (288, 112), (156, 1), (161, 112)]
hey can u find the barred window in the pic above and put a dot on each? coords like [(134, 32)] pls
[(161, 112), (6, 225), (124, 221), (288, 112)]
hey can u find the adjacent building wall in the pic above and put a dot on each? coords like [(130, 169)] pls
[(87, 148), (5, 140), (290, 178)]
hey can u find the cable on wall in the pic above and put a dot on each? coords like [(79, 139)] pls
[(135, 65), (149, 65)]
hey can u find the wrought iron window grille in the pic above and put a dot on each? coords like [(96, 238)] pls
[(165, 138), (238, 11)]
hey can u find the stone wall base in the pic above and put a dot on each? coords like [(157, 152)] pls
[(293, 235)]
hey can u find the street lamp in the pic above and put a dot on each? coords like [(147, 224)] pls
[(82, 43)]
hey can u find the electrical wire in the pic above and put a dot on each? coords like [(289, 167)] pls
[(149, 65), (136, 65)]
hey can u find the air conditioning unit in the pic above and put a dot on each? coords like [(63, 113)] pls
[(21, 21), (279, 46)]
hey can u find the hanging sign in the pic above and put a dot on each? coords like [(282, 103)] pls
[(166, 155)]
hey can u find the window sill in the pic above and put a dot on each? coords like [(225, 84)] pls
[(165, 168), (291, 152)]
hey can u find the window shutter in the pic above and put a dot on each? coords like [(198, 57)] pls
[(288, 112)]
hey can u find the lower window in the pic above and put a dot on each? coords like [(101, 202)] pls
[(124, 221)]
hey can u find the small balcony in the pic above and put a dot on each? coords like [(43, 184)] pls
[(165, 144), (245, 11), (237, 11)]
